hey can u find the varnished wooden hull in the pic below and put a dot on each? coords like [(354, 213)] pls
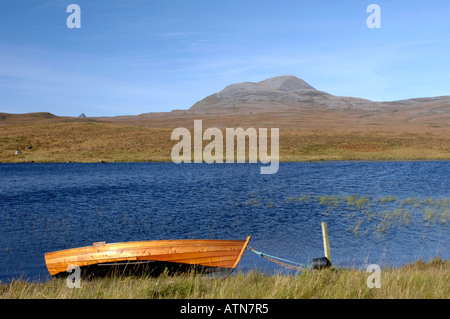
[(207, 254)]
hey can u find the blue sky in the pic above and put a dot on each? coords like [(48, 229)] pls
[(132, 57)]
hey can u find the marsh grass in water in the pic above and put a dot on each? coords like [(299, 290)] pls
[(377, 215), (389, 212)]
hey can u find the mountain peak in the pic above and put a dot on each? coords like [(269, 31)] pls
[(285, 83), (284, 90)]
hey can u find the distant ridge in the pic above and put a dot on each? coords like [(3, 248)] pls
[(27, 117), (38, 118), (284, 102), (289, 93)]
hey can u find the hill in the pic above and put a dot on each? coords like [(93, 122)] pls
[(314, 125), (289, 102)]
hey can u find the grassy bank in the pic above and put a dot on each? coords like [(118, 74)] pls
[(93, 142), (419, 280)]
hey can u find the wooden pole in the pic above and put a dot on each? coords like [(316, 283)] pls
[(326, 243)]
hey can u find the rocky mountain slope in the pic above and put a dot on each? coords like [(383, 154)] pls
[(293, 94)]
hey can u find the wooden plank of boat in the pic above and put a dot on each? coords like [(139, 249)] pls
[(202, 252)]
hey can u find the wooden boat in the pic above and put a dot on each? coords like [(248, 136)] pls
[(206, 255)]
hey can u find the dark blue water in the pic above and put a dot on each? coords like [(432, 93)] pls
[(48, 207)]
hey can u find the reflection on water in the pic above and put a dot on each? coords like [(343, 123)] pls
[(389, 213)]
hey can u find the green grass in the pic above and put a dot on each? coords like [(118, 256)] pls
[(419, 280)]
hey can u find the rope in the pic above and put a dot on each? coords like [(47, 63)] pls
[(282, 262)]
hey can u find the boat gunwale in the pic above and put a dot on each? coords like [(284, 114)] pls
[(107, 246)]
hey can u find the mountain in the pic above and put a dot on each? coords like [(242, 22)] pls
[(285, 102), (278, 93), (289, 93)]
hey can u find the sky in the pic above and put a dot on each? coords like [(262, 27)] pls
[(139, 56)]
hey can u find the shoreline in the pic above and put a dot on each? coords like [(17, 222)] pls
[(281, 161)]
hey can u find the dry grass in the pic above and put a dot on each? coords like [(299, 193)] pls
[(416, 281), (93, 141), (84, 142)]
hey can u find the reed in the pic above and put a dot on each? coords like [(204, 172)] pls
[(362, 203), (388, 211), (420, 280), (305, 198), (388, 199), (351, 199)]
